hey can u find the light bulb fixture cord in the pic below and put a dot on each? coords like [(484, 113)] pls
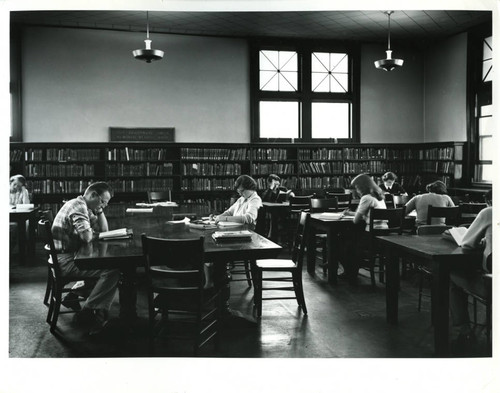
[(389, 35), (148, 54), (147, 25), (388, 64)]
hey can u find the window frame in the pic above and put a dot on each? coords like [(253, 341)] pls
[(479, 93), (304, 94)]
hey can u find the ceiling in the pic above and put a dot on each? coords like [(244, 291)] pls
[(366, 26)]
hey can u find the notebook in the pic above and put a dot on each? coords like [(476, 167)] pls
[(455, 234)]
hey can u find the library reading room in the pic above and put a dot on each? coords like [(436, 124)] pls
[(330, 171)]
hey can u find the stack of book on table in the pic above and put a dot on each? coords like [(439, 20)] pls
[(232, 235), (115, 234)]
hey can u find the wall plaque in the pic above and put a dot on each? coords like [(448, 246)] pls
[(141, 134)]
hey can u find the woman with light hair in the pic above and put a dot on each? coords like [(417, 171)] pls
[(18, 192)]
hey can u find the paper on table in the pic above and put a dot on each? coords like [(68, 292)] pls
[(24, 206), (185, 220), (457, 234), (228, 224), (134, 210), (164, 204)]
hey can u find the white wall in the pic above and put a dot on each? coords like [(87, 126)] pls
[(391, 102), (445, 96), (77, 83)]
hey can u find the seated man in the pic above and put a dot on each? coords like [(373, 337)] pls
[(272, 193), (79, 221), (478, 235)]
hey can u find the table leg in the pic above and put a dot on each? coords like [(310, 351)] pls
[(392, 287), (440, 305), (21, 231), (311, 250), (31, 237), (127, 289), (274, 227), (331, 248)]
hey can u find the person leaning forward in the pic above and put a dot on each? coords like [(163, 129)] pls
[(78, 222)]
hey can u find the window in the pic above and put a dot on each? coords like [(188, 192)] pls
[(481, 134), (304, 93)]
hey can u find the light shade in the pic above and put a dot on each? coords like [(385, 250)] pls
[(148, 55), (388, 64)]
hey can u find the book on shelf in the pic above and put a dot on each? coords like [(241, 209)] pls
[(232, 235), (115, 234), (455, 234)]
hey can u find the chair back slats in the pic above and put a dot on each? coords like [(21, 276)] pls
[(432, 229), (159, 196), (300, 240), (302, 202), (45, 233), (394, 217), (324, 204), (174, 264), (451, 214)]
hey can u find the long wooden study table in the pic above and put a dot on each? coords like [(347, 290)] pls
[(127, 254)]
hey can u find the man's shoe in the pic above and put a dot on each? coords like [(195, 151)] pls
[(71, 301), (100, 321)]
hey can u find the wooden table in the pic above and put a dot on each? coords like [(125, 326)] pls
[(333, 224), (127, 255), (26, 245), (440, 255)]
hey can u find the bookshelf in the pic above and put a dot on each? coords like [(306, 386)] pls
[(204, 174)]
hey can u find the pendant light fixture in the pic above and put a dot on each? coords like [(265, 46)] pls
[(148, 55), (389, 63)]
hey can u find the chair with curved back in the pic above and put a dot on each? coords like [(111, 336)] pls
[(58, 281), (175, 289), (319, 205), (395, 220), (291, 266), (49, 216), (159, 196), (343, 199), (451, 214), (421, 269)]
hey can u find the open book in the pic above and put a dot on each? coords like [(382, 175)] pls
[(232, 235), (122, 233), (203, 224), (455, 234)]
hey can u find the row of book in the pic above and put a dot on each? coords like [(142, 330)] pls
[(49, 186), (211, 169), (67, 154), (202, 205), (438, 166), (287, 182), (139, 185), (16, 155), (321, 167), (144, 169), (131, 154), (207, 184), (193, 153), (59, 170), (273, 154), (320, 154), (278, 168), (325, 182)]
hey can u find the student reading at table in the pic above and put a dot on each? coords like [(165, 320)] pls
[(18, 192), (274, 189), (435, 196), (78, 222), (470, 277), (371, 197), (246, 208), (389, 184)]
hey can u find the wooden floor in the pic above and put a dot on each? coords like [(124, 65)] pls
[(344, 321)]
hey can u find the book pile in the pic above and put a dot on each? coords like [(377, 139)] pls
[(115, 234), (232, 235)]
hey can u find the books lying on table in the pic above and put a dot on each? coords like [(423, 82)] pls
[(232, 235), (164, 204), (122, 233), (229, 224), (135, 210), (455, 234), (202, 224)]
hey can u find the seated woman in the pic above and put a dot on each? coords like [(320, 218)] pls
[(246, 208), (436, 196), (274, 189), (390, 186), (371, 196), (18, 192), (470, 278)]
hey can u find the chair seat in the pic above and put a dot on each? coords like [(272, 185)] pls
[(275, 263)]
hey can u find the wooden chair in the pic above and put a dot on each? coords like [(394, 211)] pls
[(159, 196), (343, 199), (49, 216), (473, 208), (395, 219), (451, 214), (299, 203), (319, 205), (400, 200), (58, 280), (424, 271), (175, 289), (292, 266)]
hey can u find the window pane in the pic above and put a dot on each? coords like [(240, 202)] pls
[(487, 70), (329, 72), (487, 110), (279, 119), (487, 59), (484, 173), (485, 126), (278, 70), (330, 120), (486, 148)]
